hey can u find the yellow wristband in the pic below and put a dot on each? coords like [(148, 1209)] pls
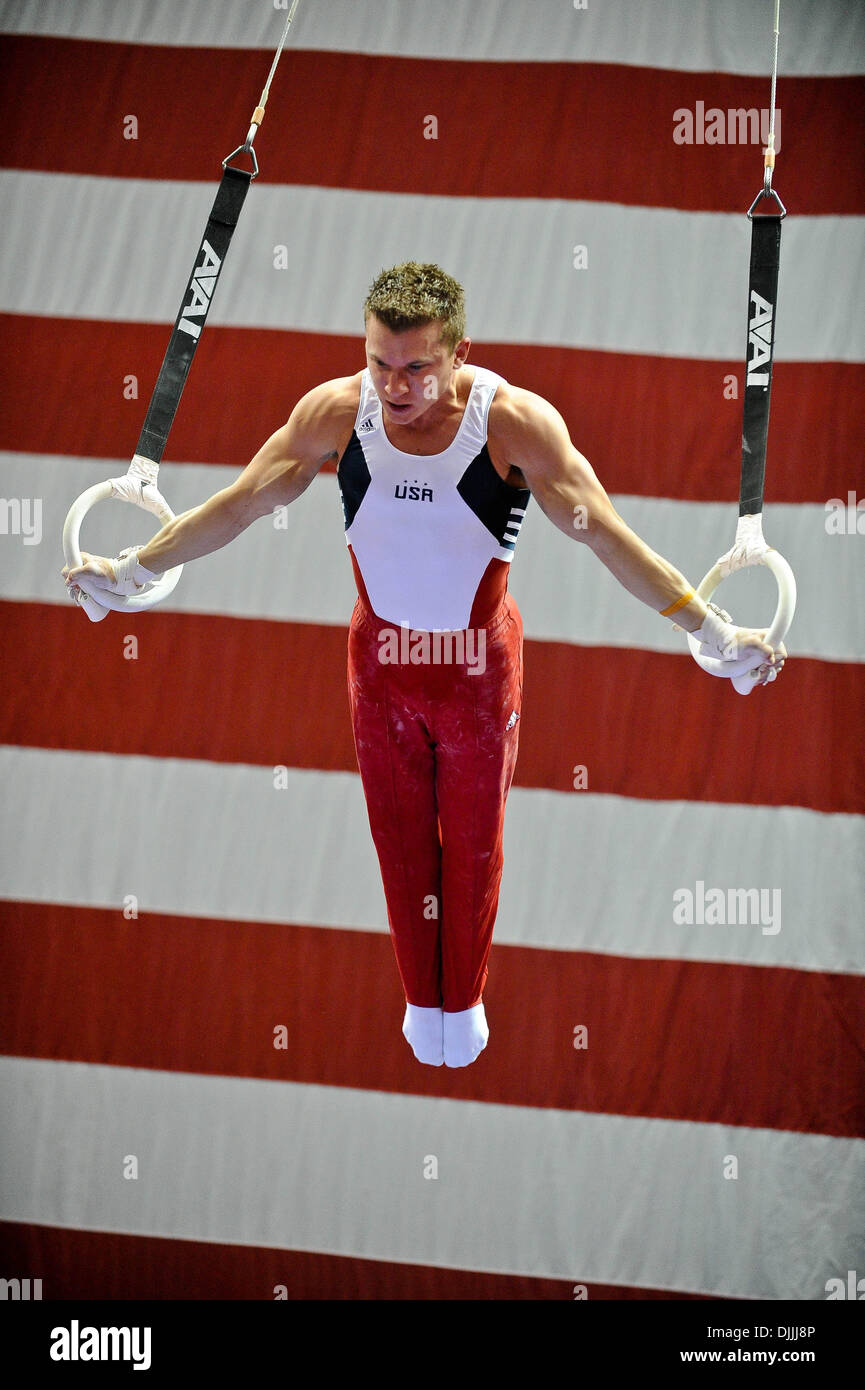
[(680, 603)]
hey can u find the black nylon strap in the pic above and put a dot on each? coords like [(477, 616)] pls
[(759, 353), (190, 320)]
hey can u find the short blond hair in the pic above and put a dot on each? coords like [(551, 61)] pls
[(411, 295)]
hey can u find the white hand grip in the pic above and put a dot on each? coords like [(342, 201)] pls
[(740, 669), (121, 489)]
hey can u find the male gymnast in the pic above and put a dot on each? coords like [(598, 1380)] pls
[(436, 462)]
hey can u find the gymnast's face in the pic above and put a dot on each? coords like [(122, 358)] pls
[(413, 372)]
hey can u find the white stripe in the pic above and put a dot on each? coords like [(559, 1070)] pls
[(122, 249), (562, 591), (677, 34), (594, 1198), (305, 855)]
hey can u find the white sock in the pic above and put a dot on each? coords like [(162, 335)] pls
[(465, 1036), (422, 1029)]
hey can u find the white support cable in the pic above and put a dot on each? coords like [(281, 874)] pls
[(769, 154), (258, 113), (277, 55), (777, 32)]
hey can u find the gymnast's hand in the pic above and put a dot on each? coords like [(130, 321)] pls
[(96, 574), (768, 661), (750, 642), (721, 638)]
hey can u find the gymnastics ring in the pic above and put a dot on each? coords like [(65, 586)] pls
[(741, 671), (130, 488)]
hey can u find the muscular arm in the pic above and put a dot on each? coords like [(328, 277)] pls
[(317, 430), (529, 434), (534, 438)]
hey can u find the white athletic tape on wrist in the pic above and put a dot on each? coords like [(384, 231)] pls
[(130, 575), (718, 638)]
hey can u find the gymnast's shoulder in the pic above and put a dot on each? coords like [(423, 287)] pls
[(514, 409), (322, 421), (331, 401), (523, 427)]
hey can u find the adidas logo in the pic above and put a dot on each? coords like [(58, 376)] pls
[(366, 425)]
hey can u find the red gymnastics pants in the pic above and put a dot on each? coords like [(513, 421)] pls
[(437, 747)]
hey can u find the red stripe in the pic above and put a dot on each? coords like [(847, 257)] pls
[(85, 1265), (283, 700), (669, 1039), (593, 131), (62, 383)]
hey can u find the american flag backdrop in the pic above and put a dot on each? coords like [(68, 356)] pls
[(205, 1090)]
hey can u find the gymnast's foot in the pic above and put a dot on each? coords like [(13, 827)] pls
[(465, 1036), (422, 1029)]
